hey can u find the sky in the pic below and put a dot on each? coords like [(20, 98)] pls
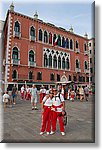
[(62, 13)]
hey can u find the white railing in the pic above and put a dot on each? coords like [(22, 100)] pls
[(32, 64), (86, 71), (77, 70), (15, 61), (86, 52), (77, 50)]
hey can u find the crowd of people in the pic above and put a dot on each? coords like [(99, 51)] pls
[(52, 103)]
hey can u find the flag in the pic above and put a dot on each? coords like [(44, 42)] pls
[(55, 43)]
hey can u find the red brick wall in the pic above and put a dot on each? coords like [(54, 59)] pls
[(25, 45)]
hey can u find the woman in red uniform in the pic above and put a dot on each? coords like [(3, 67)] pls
[(46, 113)]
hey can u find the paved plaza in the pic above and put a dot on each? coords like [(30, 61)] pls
[(21, 124)]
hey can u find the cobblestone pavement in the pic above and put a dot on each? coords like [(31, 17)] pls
[(21, 124)]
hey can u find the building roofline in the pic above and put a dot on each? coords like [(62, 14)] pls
[(41, 21)]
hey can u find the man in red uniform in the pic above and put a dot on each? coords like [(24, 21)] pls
[(58, 111)]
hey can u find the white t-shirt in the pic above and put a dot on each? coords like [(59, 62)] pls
[(56, 101), (47, 102), (22, 89), (5, 96)]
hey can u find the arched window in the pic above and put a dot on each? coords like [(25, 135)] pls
[(77, 44), (45, 37), (14, 74), (39, 76), (67, 63), (17, 27), (63, 42), (59, 40), (59, 62), (15, 53), (40, 35), (71, 44), (67, 43), (85, 47), (52, 77), (30, 75), (45, 60), (31, 56), (54, 37), (32, 33), (85, 65), (77, 64), (50, 38), (50, 60), (63, 63), (55, 61)]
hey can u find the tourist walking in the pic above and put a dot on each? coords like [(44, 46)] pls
[(34, 97), (86, 92), (81, 92), (22, 92), (14, 94)]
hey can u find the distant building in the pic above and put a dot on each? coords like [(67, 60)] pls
[(92, 61), (1, 51), (42, 53)]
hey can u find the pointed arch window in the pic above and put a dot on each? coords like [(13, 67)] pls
[(54, 37), (32, 33), (59, 62), (39, 76), (14, 74), (77, 64), (86, 65), (15, 56), (77, 44), (45, 37), (40, 35), (67, 63), (17, 29), (59, 40), (45, 60), (30, 75), (71, 44), (63, 42), (50, 60), (67, 43), (85, 47), (63, 63), (55, 61), (31, 56), (50, 38)]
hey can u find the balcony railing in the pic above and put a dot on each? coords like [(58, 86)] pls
[(86, 71), (86, 52), (32, 38), (77, 50), (32, 64), (77, 70), (15, 61), (17, 34)]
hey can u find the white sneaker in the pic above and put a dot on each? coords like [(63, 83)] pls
[(48, 133), (41, 133), (52, 132), (63, 133)]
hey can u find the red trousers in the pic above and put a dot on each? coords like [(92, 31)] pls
[(22, 95), (46, 120), (55, 115)]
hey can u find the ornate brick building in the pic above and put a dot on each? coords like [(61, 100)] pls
[(42, 53)]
